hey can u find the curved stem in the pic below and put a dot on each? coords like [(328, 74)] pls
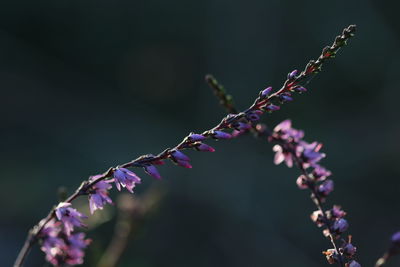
[(260, 102)]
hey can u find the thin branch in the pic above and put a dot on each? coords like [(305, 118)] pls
[(264, 102)]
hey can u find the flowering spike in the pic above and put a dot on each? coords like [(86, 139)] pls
[(151, 170)]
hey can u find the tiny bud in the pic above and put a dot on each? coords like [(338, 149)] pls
[(339, 226), (396, 238), (266, 92), (240, 126), (285, 98), (272, 107), (221, 135), (196, 137), (292, 75), (204, 147), (300, 89), (177, 155), (184, 163), (151, 170), (353, 263), (253, 116)]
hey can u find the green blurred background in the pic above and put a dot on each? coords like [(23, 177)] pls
[(91, 84)]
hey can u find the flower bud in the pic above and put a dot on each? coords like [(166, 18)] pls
[(266, 92), (221, 135), (151, 170), (196, 137), (339, 226)]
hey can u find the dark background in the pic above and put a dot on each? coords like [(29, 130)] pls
[(90, 84)]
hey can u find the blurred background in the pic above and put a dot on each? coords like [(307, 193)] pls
[(86, 85)]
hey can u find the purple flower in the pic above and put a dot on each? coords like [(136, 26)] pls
[(151, 170), (125, 178), (353, 263), (285, 97), (196, 137), (272, 107), (98, 197), (69, 216), (76, 244), (335, 213), (300, 89), (282, 155), (285, 132), (181, 159), (204, 147), (310, 153), (319, 173), (177, 155), (292, 75), (339, 226), (349, 250), (52, 245), (221, 135), (396, 238), (326, 188), (266, 92)]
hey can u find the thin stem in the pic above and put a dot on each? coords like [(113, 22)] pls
[(260, 104)]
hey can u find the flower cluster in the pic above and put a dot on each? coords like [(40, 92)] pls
[(293, 150), (62, 247)]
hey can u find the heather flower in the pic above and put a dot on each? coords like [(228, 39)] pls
[(310, 153), (125, 178), (271, 107), (52, 245), (266, 92), (396, 238), (349, 250), (203, 147), (241, 126), (196, 137), (300, 89), (353, 263), (335, 213), (281, 155), (319, 173), (151, 170), (181, 159), (302, 182), (98, 196), (285, 132), (339, 226), (221, 135), (177, 155), (317, 217), (292, 74), (326, 188), (285, 97), (69, 216), (74, 252)]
